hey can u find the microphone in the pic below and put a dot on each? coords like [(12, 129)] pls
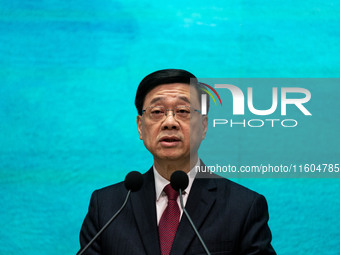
[(179, 181), (133, 182)]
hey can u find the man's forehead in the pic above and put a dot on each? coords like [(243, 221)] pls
[(171, 92), (165, 98)]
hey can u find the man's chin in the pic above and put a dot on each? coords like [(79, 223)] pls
[(172, 157)]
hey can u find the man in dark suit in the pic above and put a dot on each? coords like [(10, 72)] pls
[(230, 218)]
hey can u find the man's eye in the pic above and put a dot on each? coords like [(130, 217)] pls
[(157, 112), (183, 111)]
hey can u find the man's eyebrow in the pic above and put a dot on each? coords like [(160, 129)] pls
[(156, 99), (185, 99)]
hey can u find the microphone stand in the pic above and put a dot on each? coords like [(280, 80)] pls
[(106, 225), (192, 224)]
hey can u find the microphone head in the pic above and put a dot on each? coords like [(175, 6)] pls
[(179, 180), (133, 181)]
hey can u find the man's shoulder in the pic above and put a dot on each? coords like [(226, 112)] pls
[(119, 187), (109, 194), (231, 189), (233, 184), (238, 197)]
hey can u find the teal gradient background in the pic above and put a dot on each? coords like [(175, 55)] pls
[(68, 76)]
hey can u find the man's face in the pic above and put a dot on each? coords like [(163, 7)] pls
[(170, 138)]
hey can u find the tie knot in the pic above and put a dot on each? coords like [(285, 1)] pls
[(170, 192)]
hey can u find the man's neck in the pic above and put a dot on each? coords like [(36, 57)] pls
[(166, 167)]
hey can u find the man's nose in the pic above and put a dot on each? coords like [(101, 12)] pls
[(170, 121)]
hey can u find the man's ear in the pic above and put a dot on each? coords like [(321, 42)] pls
[(139, 125), (204, 125)]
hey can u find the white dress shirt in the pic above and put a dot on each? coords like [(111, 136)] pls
[(161, 197)]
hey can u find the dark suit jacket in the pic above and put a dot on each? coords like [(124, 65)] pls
[(230, 218)]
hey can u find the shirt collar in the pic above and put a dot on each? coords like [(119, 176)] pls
[(161, 182)]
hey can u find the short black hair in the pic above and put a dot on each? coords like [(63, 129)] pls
[(165, 76)]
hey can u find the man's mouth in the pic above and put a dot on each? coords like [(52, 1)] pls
[(169, 141)]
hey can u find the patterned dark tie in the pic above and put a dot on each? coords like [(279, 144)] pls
[(169, 221)]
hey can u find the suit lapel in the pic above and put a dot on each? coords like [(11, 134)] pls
[(201, 198), (144, 208)]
